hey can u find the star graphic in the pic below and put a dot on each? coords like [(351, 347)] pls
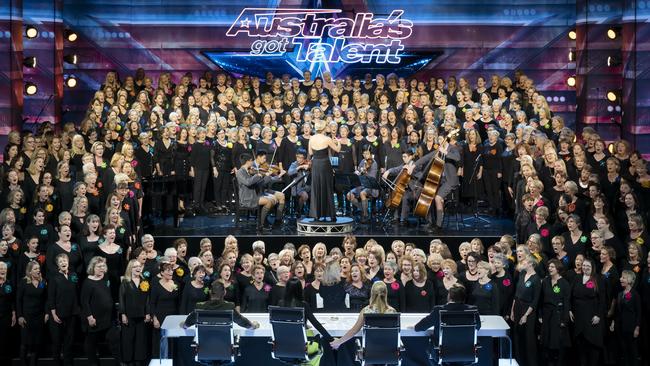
[(245, 23)]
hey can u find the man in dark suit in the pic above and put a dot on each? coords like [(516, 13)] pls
[(217, 302), (455, 302)]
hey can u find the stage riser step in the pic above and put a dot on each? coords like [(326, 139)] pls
[(48, 361)]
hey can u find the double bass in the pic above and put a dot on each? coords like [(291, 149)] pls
[(432, 182)]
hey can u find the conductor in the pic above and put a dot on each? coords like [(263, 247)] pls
[(322, 175)]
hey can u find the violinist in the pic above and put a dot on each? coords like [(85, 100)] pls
[(252, 181), (299, 169), (369, 168)]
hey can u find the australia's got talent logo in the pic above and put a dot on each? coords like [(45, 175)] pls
[(363, 38)]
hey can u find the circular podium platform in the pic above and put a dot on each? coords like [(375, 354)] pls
[(308, 226)]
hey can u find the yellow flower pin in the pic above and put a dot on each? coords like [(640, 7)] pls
[(49, 207), (180, 272), (144, 286)]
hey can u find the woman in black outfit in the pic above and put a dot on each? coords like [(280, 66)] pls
[(256, 296), (396, 295), (293, 297), (96, 307), (200, 168), (163, 300), (358, 288), (114, 257), (31, 313), (332, 289), (89, 238), (7, 313), (588, 310), (485, 294), (419, 292), (523, 312), (554, 315), (222, 168), (195, 291), (627, 319), (134, 314), (64, 246), (492, 170), (63, 307)]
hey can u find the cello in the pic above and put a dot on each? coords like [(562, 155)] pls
[(398, 187), (432, 182)]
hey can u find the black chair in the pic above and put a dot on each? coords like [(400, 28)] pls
[(451, 208), (215, 342), (457, 342), (288, 336), (380, 341)]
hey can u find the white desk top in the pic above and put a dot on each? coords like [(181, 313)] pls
[(336, 324)]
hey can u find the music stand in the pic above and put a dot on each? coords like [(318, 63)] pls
[(476, 218)]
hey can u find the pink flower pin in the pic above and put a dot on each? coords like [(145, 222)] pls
[(506, 282), (590, 284), (440, 274), (544, 232), (628, 296), (267, 288), (540, 203), (394, 286), (423, 293)]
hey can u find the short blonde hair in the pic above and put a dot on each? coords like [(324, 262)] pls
[(94, 261)]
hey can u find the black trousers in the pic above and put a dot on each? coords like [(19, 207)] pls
[(525, 341), (492, 187), (135, 338), (200, 182), (628, 347), (588, 354), (222, 188), (92, 339), (62, 339)]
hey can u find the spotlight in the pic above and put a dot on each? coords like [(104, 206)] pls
[(71, 59), (571, 81), (31, 32), (572, 55), (30, 88), (613, 32), (573, 34), (29, 62), (70, 35), (71, 81), (614, 60), (612, 95)]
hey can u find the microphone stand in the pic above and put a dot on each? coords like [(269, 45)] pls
[(476, 218), (42, 109)]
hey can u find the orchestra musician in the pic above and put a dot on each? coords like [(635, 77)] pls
[(299, 169), (418, 170), (253, 180), (367, 167)]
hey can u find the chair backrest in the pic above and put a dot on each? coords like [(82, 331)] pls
[(214, 336), (457, 337), (288, 333), (381, 338)]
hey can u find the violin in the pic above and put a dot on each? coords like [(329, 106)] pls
[(270, 169)]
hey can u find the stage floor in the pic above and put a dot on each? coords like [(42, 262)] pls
[(223, 225)]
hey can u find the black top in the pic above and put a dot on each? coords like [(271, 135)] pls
[(96, 300), (163, 302), (359, 297), (486, 298), (396, 295), (30, 300), (62, 294), (191, 296), (333, 297), (134, 300), (628, 311), (419, 299), (254, 300), (75, 262)]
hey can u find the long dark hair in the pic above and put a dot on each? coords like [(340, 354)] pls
[(293, 293)]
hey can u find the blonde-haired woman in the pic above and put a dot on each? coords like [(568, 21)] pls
[(30, 312), (134, 313), (378, 305), (322, 183)]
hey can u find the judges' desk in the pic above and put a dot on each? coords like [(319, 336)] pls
[(337, 324)]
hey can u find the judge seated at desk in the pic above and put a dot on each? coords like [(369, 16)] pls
[(455, 302), (217, 302)]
